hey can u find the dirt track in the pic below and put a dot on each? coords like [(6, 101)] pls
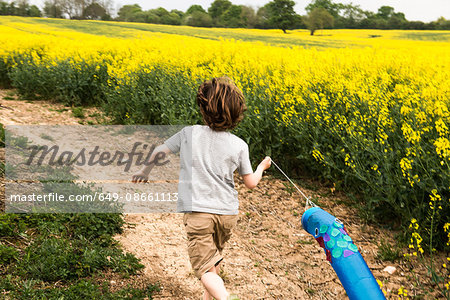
[(269, 256)]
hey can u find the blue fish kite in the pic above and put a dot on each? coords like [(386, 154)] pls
[(343, 255)]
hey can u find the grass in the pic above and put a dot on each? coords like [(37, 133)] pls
[(46, 137), (388, 252), (441, 36), (59, 110), (304, 242), (78, 112), (82, 289), (65, 255)]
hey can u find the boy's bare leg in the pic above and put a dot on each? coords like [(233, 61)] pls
[(206, 295), (214, 285), (218, 268)]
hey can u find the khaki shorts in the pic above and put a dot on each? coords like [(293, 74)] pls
[(207, 234)]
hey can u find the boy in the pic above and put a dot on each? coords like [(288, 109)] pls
[(209, 155)]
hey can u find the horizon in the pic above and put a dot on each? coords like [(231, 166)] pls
[(414, 10)]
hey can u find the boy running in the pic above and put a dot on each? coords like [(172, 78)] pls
[(209, 155)]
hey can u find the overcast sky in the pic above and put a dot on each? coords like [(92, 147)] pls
[(414, 10)]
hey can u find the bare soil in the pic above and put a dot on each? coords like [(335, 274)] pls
[(269, 255)]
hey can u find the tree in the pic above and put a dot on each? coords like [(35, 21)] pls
[(80, 7), (4, 8), (262, 17), (148, 17), (442, 24), (156, 15), (352, 16), (108, 5), (22, 8), (232, 17), (70, 8), (318, 18), (171, 19), (248, 16), (198, 19), (129, 13), (416, 25), (161, 16), (34, 11), (385, 12), (178, 12), (195, 7), (397, 21), (197, 16), (333, 8), (52, 9), (368, 20), (281, 14), (19, 8), (94, 11), (217, 9)]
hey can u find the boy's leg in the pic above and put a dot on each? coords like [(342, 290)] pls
[(223, 233), (218, 268), (206, 295), (203, 253), (214, 284)]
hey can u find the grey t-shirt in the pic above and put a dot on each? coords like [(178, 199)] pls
[(208, 159)]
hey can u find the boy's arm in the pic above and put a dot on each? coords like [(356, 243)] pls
[(142, 175), (251, 180)]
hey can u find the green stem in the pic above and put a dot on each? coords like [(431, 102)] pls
[(431, 237), (431, 269), (416, 278)]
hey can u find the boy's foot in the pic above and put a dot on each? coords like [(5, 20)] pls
[(233, 297)]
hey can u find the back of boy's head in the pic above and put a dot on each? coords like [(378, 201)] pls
[(221, 103)]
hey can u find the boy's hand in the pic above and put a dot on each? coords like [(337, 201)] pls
[(139, 177), (266, 163), (251, 180)]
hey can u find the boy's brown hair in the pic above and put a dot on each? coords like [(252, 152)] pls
[(221, 103)]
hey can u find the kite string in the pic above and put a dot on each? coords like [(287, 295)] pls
[(308, 201)]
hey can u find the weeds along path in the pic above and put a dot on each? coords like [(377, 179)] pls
[(42, 112), (269, 255)]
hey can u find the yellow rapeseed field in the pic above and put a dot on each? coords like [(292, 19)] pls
[(367, 108)]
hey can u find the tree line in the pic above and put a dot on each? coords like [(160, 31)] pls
[(321, 14)]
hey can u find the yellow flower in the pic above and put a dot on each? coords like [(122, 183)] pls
[(442, 145), (380, 283), (317, 155), (405, 165)]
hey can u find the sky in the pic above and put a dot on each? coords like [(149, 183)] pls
[(414, 10)]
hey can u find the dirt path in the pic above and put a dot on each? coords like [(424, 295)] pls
[(269, 255)]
